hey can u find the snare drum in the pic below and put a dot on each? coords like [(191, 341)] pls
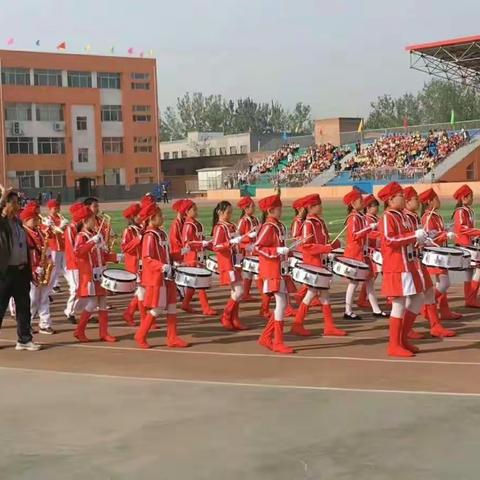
[(212, 264), (474, 254), (377, 259), (295, 259), (119, 281), (194, 277), (466, 261), (351, 269), (448, 258), (312, 276), (251, 265), (338, 252)]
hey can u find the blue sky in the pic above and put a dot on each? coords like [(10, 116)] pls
[(336, 56)]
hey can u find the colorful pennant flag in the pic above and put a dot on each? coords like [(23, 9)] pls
[(151, 53), (62, 46), (112, 50), (130, 51), (452, 118), (405, 122), (141, 55), (87, 47), (10, 41), (37, 43), (360, 126)]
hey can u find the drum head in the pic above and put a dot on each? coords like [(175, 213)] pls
[(195, 271), (315, 269), (119, 275), (444, 250), (298, 255), (252, 259), (338, 251), (351, 262)]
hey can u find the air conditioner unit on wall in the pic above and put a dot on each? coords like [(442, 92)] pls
[(16, 129), (58, 127)]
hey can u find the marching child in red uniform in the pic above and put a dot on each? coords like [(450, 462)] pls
[(248, 222), (273, 258), (175, 232), (90, 250), (160, 291), (195, 244), (356, 247), (412, 204), (132, 248), (315, 248), (402, 276), (56, 242), (226, 245), (435, 227), (37, 242), (467, 236), (298, 219)]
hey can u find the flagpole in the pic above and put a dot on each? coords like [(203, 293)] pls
[(3, 138)]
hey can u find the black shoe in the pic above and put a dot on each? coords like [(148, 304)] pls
[(57, 289), (381, 315), (50, 298), (351, 316), (93, 320), (72, 319)]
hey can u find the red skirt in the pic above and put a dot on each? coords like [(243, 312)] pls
[(276, 285), (90, 289), (161, 297), (437, 271), (427, 277), (403, 284), (227, 277)]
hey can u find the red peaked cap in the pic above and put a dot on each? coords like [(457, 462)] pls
[(370, 198), (185, 206), (31, 210), (427, 195), (146, 199), (245, 202), (81, 213), (53, 204), (350, 197), (462, 192), (389, 191), (176, 205), (132, 211), (268, 203), (409, 193), (298, 203), (311, 200), (148, 211)]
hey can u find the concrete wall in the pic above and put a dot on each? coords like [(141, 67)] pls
[(337, 131), (189, 166), (466, 170)]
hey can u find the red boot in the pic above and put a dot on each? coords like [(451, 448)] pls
[(436, 328), (297, 327), (142, 309), (362, 297), (103, 327), (301, 294), (445, 312), (395, 348), (290, 312), (142, 332), (226, 318), (79, 332), (247, 285), (189, 292), (130, 311), (407, 327), (237, 324), (173, 340), (206, 308), (329, 329), (278, 345), (471, 291), (265, 339), (265, 308)]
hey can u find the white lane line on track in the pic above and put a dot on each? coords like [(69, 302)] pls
[(245, 385), (411, 361)]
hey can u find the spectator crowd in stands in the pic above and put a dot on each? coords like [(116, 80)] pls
[(409, 155)]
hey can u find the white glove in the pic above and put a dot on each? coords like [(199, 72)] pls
[(451, 236), (167, 269), (63, 223), (373, 226), (421, 235), (283, 250), (185, 250), (433, 233), (39, 270), (49, 222), (96, 239), (252, 234), (235, 241), (205, 243), (120, 257), (250, 248)]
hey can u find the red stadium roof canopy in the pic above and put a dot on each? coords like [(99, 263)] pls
[(456, 60)]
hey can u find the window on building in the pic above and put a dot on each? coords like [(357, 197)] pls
[(470, 172), (184, 154), (111, 113), (144, 175), (108, 80), (243, 149), (25, 178), (51, 145), (49, 112), (141, 113), (212, 151), (142, 145), (179, 171), (233, 150), (140, 81), (15, 76), (19, 145), (79, 79), (82, 155), (112, 145), (81, 123), (18, 112), (203, 152), (223, 150), (113, 176), (166, 155), (48, 78), (174, 154), (52, 178)]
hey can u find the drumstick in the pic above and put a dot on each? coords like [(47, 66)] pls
[(299, 242), (338, 236)]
